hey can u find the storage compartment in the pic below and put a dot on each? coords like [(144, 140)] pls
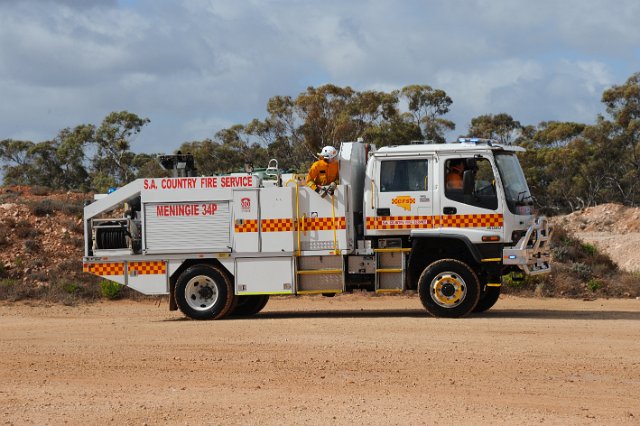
[(269, 275), (196, 226)]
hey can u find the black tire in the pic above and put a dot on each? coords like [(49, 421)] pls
[(204, 292), (448, 288), (249, 305), (488, 298)]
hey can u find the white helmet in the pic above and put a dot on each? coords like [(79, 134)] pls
[(328, 152)]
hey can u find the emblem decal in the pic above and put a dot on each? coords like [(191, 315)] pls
[(404, 201)]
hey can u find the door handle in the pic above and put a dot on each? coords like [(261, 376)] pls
[(449, 210)]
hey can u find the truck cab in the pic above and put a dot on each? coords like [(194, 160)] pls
[(466, 202)]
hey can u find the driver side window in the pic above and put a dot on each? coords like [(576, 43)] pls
[(483, 192)]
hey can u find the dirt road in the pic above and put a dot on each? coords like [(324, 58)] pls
[(347, 360)]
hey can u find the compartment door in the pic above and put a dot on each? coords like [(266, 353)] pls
[(246, 221), (277, 220), (264, 275)]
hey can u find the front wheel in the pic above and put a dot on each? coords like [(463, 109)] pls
[(204, 292), (488, 298), (448, 288)]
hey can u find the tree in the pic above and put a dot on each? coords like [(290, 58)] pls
[(15, 156), (71, 147), (623, 106), (113, 160), (557, 134), (501, 127), (280, 133), (426, 106), (325, 115)]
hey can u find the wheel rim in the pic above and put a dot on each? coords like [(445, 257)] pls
[(448, 289), (201, 293)]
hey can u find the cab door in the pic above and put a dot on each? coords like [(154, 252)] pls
[(404, 195), (478, 210)]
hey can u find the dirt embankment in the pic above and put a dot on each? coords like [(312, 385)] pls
[(612, 228), (41, 237)]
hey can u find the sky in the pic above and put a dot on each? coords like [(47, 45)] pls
[(194, 67)]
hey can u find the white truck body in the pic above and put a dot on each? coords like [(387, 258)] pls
[(389, 221)]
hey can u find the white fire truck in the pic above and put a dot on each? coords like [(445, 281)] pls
[(221, 245)]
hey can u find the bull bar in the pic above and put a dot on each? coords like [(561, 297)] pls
[(531, 253)]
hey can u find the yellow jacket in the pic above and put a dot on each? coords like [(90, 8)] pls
[(322, 173)]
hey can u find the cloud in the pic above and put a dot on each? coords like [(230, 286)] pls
[(195, 67)]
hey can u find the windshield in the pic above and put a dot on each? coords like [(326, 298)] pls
[(515, 185)]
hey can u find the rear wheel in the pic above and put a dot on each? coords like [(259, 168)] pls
[(249, 305), (448, 288), (204, 292), (488, 298)]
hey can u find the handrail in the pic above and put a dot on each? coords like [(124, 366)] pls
[(373, 191), (297, 214), (336, 251)]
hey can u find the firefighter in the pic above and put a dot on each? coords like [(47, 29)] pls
[(454, 177), (323, 174)]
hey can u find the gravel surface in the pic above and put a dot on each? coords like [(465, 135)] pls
[(349, 360)]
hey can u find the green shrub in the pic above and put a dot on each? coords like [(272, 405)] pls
[(70, 208), (70, 288), (110, 289), (594, 284), (582, 270), (7, 288), (4, 235), (32, 246), (42, 208), (40, 190), (560, 253), (515, 280), (24, 229), (38, 276), (7, 283), (589, 249)]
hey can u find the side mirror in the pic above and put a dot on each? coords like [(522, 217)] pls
[(468, 182)]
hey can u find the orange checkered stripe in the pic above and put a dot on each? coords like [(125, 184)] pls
[(324, 223), (115, 268), (288, 225), (247, 225), (422, 222), (276, 225), (400, 222), (148, 268), (471, 220)]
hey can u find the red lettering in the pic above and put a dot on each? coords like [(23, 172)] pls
[(209, 209), (178, 210), (150, 184), (178, 183), (236, 181), (208, 182)]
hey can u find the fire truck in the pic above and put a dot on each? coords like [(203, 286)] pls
[(220, 246)]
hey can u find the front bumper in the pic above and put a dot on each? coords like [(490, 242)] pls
[(532, 252)]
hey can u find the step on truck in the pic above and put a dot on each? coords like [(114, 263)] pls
[(222, 245)]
